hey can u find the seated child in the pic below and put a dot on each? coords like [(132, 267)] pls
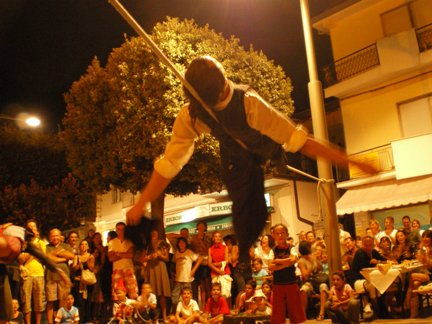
[(69, 313), (260, 305), (341, 306), (171, 319), (243, 304), (123, 308), (258, 273), (187, 309), (147, 303), (216, 306), (18, 317), (267, 290)]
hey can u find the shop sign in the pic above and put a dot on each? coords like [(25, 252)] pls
[(203, 211), (188, 215), (223, 208)]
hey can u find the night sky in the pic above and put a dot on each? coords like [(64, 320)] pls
[(46, 45)]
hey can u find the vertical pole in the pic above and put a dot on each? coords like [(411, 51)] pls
[(320, 132)]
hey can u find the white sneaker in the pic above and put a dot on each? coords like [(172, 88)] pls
[(367, 308)]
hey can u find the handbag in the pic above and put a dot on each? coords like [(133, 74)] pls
[(317, 279), (88, 277)]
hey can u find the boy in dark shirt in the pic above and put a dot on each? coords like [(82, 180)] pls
[(286, 293)]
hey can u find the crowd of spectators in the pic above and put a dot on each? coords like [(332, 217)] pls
[(200, 278)]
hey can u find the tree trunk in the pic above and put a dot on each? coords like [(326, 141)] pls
[(157, 212)]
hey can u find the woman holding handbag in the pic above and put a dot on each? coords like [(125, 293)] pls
[(82, 291)]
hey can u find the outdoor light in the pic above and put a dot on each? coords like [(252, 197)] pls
[(23, 119), (33, 121)]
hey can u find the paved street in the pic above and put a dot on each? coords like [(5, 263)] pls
[(426, 320)]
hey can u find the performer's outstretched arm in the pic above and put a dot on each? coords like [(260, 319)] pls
[(151, 192), (314, 148)]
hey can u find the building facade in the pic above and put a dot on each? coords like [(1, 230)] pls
[(382, 76)]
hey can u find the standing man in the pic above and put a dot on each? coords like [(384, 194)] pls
[(72, 240), (120, 253), (249, 131), (413, 236), (60, 253), (33, 286)]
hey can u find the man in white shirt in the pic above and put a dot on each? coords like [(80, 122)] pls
[(248, 129), (120, 253)]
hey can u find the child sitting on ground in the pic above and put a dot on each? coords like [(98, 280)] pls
[(69, 313), (258, 274), (123, 308), (342, 306), (147, 304), (18, 317), (187, 309), (260, 305), (216, 306), (243, 304), (267, 290)]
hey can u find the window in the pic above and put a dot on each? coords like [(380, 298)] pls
[(416, 117), (127, 199), (115, 196)]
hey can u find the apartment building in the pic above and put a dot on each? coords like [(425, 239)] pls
[(382, 76)]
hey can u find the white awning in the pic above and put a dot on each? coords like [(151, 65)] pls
[(385, 194)]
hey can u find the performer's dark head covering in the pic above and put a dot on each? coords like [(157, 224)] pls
[(207, 76)]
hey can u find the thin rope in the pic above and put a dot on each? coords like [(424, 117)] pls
[(153, 46), (319, 186)]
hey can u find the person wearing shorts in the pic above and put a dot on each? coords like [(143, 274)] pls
[(60, 253), (33, 283)]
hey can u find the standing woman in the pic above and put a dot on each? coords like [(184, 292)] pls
[(100, 256), (375, 228), (218, 260), (200, 244), (265, 250), (156, 272), (106, 280), (83, 261)]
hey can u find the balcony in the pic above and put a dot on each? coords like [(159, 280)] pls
[(350, 65), (424, 38), (380, 157), (385, 60)]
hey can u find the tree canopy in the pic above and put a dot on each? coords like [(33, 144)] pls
[(36, 182), (119, 117)]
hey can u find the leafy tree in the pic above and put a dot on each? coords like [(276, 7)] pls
[(119, 117), (36, 182)]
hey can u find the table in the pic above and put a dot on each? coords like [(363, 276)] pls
[(382, 279)]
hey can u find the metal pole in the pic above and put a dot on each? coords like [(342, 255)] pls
[(320, 132)]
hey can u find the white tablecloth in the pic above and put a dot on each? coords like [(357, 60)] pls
[(380, 280)]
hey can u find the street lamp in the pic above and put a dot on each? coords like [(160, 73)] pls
[(320, 131), (30, 121)]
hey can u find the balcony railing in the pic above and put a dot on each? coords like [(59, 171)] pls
[(424, 38), (381, 157), (350, 65)]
